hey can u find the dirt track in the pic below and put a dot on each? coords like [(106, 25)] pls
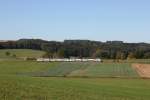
[(142, 69)]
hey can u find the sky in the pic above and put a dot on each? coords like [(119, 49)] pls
[(100, 20)]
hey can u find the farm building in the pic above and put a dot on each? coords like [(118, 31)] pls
[(67, 60)]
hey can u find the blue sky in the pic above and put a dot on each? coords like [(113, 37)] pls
[(127, 20)]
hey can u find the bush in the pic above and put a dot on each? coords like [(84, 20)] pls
[(7, 53), (30, 58)]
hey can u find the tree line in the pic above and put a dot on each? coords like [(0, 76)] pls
[(83, 48)]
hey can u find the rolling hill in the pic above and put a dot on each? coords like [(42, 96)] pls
[(20, 53)]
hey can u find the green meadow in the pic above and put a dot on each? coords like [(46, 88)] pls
[(45, 88), (31, 80), (20, 53)]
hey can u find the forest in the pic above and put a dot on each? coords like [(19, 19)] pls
[(82, 48)]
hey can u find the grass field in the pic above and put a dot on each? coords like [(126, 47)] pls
[(20, 53), (127, 61), (30, 88), (68, 69), (20, 67), (89, 69), (107, 70), (17, 81)]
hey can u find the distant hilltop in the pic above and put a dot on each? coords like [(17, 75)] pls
[(72, 41), (3, 40), (114, 42), (6, 40)]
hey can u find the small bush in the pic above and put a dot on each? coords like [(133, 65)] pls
[(30, 58), (7, 53)]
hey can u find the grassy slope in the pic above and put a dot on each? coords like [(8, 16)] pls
[(111, 70), (16, 67), (62, 69), (14, 86), (27, 88), (21, 53), (89, 69)]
